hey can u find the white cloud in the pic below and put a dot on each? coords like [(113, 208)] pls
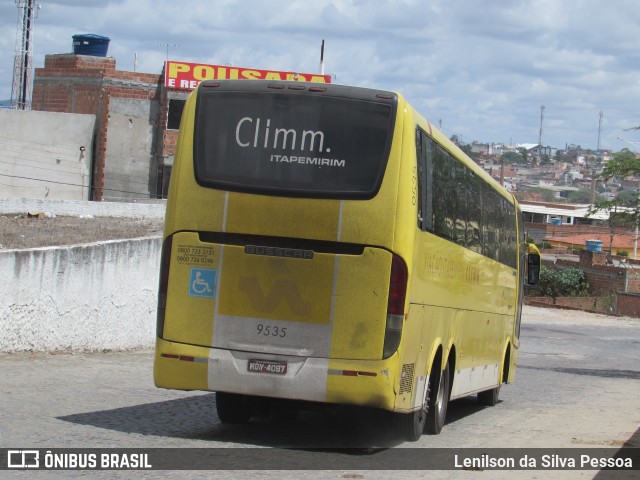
[(481, 68)]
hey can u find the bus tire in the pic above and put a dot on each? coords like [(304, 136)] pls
[(489, 398), (439, 391), (412, 424), (232, 408), (284, 410)]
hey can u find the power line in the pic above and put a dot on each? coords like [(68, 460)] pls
[(72, 184), (635, 144), (71, 172)]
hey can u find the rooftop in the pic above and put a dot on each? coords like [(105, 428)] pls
[(563, 209), (620, 241)]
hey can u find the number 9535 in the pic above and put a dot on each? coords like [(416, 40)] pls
[(271, 330)]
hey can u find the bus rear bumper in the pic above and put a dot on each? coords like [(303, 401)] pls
[(350, 382)]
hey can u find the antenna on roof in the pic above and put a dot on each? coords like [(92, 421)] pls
[(541, 120), (167, 45), (322, 58)]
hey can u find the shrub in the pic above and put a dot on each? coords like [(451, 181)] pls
[(569, 282)]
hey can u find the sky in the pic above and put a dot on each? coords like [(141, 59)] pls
[(478, 69)]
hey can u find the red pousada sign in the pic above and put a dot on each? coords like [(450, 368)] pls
[(187, 76)]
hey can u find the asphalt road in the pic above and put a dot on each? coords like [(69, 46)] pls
[(577, 386)]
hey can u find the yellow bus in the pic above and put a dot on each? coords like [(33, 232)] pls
[(325, 244)]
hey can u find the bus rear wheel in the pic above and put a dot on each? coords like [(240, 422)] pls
[(412, 424), (439, 391), (232, 407), (489, 398)]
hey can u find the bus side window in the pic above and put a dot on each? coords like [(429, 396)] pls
[(419, 176), (423, 148)]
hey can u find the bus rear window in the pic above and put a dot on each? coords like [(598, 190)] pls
[(332, 144)]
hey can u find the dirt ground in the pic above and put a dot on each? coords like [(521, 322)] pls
[(20, 231)]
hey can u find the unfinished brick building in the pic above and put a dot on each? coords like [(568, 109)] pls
[(133, 144)]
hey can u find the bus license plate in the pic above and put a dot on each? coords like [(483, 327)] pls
[(275, 367)]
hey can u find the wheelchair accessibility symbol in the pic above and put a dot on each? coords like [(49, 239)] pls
[(202, 283)]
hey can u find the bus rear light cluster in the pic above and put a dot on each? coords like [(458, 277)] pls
[(397, 286), (165, 263), (395, 306)]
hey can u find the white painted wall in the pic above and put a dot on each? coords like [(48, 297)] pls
[(89, 297), (71, 208)]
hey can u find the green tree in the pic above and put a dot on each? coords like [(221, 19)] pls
[(466, 148), (511, 157), (524, 153), (583, 196), (627, 196), (623, 210), (562, 156), (545, 160), (622, 164)]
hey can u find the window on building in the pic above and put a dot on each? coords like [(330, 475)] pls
[(175, 113)]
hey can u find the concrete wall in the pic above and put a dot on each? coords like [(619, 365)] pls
[(604, 305), (130, 168), (89, 297), (40, 154), (624, 304)]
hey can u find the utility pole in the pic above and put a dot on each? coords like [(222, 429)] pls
[(540, 135), (22, 64)]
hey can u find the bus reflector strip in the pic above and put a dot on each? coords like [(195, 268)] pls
[(185, 358), (352, 373)]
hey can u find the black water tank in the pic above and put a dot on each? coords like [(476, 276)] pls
[(90, 44)]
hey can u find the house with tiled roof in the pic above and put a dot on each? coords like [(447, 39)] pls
[(544, 220), (623, 244)]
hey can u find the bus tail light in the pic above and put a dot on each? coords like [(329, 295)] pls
[(165, 262), (395, 306)]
